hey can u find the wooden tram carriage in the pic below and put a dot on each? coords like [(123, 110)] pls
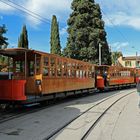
[(115, 76), (36, 74)]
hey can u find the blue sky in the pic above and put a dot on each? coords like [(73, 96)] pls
[(122, 22)]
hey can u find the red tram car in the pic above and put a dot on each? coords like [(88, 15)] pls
[(37, 74), (110, 76)]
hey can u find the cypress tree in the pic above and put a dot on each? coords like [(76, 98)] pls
[(55, 39), (86, 31), (3, 40), (23, 39)]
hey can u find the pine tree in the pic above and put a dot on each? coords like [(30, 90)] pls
[(3, 40), (86, 31), (55, 39), (23, 39)]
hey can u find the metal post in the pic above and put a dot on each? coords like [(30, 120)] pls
[(25, 64), (136, 58), (100, 61), (8, 69), (35, 66)]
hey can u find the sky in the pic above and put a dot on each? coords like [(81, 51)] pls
[(122, 22)]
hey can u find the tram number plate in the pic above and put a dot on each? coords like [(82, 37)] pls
[(38, 82)]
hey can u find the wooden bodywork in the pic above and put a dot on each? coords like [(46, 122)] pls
[(115, 75), (137, 74), (48, 73), (120, 75)]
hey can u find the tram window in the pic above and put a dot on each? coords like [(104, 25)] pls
[(73, 73), (64, 69), (59, 68), (52, 72), (77, 73), (46, 61), (90, 74), (93, 74), (73, 65), (59, 72), (19, 66), (45, 71), (31, 68), (84, 73), (69, 73), (37, 65), (52, 62), (81, 73)]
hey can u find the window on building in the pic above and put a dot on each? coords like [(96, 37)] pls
[(128, 63)]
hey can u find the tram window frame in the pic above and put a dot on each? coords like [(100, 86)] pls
[(77, 73), (64, 69), (59, 68), (31, 68), (69, 72), (38, 62), (52, 71), (84, 74), (46, 71), (52, 67), (52, 62), (19, 66), (46, 61)]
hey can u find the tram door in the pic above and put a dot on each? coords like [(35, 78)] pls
[(34, 76)]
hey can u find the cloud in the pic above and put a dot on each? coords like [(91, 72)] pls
[(121, 13), (47, 8), (122, 19), (118, 12), (39, 10), (63, 30), (119, 45), (4, 8)]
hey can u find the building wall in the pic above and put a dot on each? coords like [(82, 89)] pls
[(129, 62)]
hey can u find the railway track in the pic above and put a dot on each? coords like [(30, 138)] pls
[(13, 114), (6, 115), (106, 103)]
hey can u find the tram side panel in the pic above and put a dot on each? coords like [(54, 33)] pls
[(54, 85), (121, 76)]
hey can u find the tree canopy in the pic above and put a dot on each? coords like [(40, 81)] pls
[(85, 32), (55, 39), (3, 40), (114, 56)]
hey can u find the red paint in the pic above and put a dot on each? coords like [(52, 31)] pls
[(12, 90), (124, 80), (100, 82)]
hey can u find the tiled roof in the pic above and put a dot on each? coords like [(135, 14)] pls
[(131, 58)]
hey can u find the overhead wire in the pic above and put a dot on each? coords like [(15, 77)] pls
[(33, 13), (123, 36), (25, 11)]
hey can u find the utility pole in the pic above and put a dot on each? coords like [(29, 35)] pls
[(100, 61), (136, 58)]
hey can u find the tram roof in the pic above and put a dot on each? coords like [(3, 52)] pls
[(13, 52), (18, 51)]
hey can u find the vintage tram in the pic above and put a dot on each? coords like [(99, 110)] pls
[(35, 75), (110, 76)]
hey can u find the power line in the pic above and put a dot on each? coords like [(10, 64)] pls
[(23, 9), (30, 11), (123, 36)]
